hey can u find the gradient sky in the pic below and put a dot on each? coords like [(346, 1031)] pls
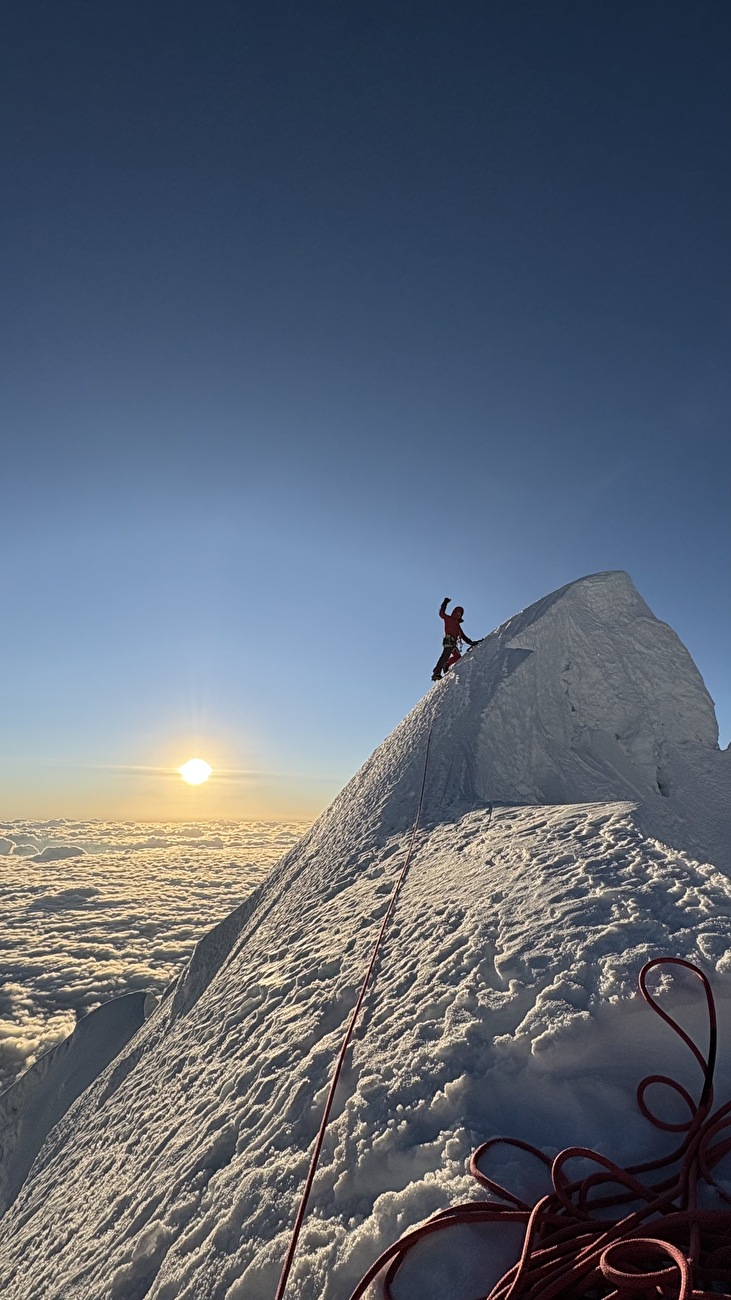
[(314, 313)]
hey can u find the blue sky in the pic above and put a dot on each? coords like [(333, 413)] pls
[(314, 314)]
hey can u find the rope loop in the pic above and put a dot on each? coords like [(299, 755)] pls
[(568, 1250), (489, 1183), (663, 1079), (707, 1063), (633, 1279)]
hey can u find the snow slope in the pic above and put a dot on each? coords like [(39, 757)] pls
[(504, 998), (30, 1108)]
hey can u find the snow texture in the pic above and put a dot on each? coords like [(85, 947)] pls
[(29, 1110), (504, 999)]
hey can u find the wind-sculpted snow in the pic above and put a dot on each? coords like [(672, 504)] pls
[(583, 696), (30, 1108), (504, 1000), (504, 1003)]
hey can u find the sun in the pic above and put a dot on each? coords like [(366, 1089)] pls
[(195, 771)]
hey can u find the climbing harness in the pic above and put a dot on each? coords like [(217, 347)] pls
[(669, 1247), (302, 1210)]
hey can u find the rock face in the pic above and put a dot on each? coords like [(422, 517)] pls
[(504, 1000)]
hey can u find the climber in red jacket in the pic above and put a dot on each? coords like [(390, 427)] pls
[(453, 634)]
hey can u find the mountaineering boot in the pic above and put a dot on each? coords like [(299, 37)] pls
[(436, 677)]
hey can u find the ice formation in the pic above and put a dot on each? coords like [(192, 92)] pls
[(575, 823)]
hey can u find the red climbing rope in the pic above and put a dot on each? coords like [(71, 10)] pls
[(286, 1267), (573, 1248)]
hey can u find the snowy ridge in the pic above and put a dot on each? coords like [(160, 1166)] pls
[(583, 696), (504, 1000), (30, 1108), (587, 696)]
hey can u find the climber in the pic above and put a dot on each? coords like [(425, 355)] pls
[(453, 634)]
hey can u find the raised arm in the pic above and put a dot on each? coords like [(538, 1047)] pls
[(443, 606)]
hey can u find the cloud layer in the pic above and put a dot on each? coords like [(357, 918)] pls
[(92, 910)]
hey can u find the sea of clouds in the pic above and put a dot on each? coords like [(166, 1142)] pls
[(91, 910)]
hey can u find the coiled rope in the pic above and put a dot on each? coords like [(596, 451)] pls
[(314, 1160), (668, 1247)]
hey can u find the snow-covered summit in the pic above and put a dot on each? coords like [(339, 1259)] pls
[(583, 696), (572, 826)]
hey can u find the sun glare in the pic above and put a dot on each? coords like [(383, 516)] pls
[(195, 771)]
